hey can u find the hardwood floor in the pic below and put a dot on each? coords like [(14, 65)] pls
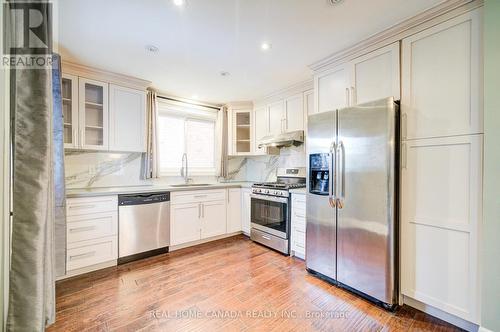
[(226, 285)]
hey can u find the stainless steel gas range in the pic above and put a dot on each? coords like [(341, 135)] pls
[(270, 209)]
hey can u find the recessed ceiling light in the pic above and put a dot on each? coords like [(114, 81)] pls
[(224, 73), (265, 46), (179, 2), (152, 48)]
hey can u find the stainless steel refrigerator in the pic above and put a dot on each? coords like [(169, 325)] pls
[(351, 234)]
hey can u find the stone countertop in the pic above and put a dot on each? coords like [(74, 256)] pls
[(73, 193), (298, 191)]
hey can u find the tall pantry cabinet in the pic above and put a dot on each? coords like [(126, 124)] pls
[(441, 165)]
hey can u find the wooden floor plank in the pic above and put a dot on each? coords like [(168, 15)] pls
[(232, 284)]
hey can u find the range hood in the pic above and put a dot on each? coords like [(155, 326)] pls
[(295, 138)]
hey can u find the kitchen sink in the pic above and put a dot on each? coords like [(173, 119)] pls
[(191, 185)]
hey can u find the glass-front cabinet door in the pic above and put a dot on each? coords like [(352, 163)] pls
[(93, 131), (242, 122), (69, 91)]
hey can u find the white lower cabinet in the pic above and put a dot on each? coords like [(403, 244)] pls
[(84, 254), (91, 232), (184, 222), (234, 210), (246, 210), (213, 219), (440, 220), (298, 225), (202, 214)]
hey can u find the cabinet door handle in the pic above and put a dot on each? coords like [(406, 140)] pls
[(403, 156), (266, 237), (353, 96), (82, 206), (347, 96), (203, 210), (82, 138), (80, 256), (404, 125), (199, 210), (299, 215), (81, 229)]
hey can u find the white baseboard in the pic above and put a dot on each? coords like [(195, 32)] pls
[(483, 329), (87, 269), (194, 243), (452, 319)]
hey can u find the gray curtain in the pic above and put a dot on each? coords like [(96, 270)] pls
[(150, 158), (32, 287), (59, 177), (222, 137)]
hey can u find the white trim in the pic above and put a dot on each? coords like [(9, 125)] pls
[(5, 193), (457, 321), (104, 75), (408, 27), (194, 243), (87, 269), (483, 329), (175, 98), (293, 89)]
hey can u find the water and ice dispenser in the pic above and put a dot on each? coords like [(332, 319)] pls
[(319, 173)]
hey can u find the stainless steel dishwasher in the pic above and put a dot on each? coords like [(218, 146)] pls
[(143, 225)]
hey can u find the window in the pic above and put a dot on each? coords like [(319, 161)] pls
[(182, 130)]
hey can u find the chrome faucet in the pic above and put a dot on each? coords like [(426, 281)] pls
[(184, 169)]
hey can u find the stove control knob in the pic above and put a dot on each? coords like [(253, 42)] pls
[(267, 191)]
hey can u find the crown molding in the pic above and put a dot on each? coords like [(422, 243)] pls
[(240, 105), (175, 98), (104, 75), (286, 92), (410, 26)]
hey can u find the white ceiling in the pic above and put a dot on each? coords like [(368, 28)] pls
[(205, 37)]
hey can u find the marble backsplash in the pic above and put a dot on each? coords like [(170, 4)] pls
[(103, 169)]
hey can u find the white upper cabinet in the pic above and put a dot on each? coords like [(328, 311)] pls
[(441, 79), (261, 127), (367, 78), (127, 119), (242, 132), (69, 94), (294, 113), (276, 117), (375, 75), (93, 114), (309, 103), (332, 89)]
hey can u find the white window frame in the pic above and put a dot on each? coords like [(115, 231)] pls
[(188, 112)]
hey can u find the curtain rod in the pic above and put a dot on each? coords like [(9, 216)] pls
[(187, 102)]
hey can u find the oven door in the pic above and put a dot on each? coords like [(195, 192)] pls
[(270, 214)]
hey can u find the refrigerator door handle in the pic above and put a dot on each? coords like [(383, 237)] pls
[(332, 176), (340, 200)]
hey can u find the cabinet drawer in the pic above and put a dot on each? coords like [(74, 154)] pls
[(198, 196), (87, 253), (299, 202), (299, 224), (299, 241), (88, 227), (91, 205)]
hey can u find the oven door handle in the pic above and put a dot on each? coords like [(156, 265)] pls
[(270, 198)]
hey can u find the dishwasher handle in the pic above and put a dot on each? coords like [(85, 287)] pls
[(143, 198)]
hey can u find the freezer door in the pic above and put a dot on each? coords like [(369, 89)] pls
[(366, 227), (321, 215)]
